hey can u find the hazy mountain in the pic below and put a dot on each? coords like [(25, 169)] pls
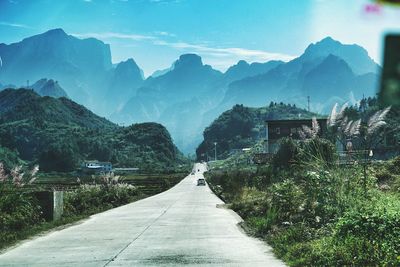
[(146, 105), (124, 81), (45, 87), (189, 77), (324, 72), (167, 98), (327, 71), (161, 72), (356, 56), (243, 69), (79, 65)]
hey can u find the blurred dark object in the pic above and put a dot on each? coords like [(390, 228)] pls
[(392, 2), (390, 81)]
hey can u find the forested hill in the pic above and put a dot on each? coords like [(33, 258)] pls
[(26, 104), (58, 134), (242, 126)]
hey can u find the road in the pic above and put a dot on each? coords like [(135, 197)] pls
[(181, 226)]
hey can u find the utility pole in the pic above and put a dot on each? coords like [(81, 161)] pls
[(308, 103), (215, 151), (27, 84)]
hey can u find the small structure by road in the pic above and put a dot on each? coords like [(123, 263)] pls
[(95, 166), (277, 129)]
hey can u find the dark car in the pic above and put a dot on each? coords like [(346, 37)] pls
[(201, 181)]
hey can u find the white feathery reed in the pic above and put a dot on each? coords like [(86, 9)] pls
[(377, 120)]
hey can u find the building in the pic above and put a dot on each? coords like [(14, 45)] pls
[(95, 166), (277, 129)]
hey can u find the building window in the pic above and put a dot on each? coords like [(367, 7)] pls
[(278, 130), (293, 130)]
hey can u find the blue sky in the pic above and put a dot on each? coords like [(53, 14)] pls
[(156, 32)]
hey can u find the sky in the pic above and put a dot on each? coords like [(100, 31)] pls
[(156, 32)]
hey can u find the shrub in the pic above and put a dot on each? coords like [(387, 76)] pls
[(263, 177), (376, 228), (287, 197), (263, 224), (89, 199), (318, 150), (19, 210), (384, 175), (287, 153)]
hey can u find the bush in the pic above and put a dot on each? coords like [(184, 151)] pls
[(285, 240), (377, 228), (262, 225), (287, 198), (19, 210), (264, 176), (89, 199), (318, 150), (232, 182), (287, 153)]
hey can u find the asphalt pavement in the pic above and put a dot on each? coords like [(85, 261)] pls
[(185, 225)]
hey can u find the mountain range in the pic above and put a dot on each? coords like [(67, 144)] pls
[(189, 95)]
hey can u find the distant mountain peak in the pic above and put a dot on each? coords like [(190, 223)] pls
[(128, 70), (131, 61), (128, 64), (242, 63), (328, 43), (188, 60), (55, 33), (356, 56), (329, 39), (45, 87)]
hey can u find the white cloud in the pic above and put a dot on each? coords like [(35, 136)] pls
[(16, 25), (219, 57), (164, 33), (243, 53), (111, 35), (164, 1)]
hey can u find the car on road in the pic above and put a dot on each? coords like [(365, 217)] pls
[(201, 181)]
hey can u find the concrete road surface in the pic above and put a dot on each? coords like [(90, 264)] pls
[(182, 226)]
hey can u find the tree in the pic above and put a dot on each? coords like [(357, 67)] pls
[(58, 158)]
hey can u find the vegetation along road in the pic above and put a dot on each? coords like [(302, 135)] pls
[(182, 226)]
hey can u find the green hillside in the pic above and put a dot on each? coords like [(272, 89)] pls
[(58, 134), (242, 126)]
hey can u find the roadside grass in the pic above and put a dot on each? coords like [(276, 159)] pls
[(317, 214), (21, 216)]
